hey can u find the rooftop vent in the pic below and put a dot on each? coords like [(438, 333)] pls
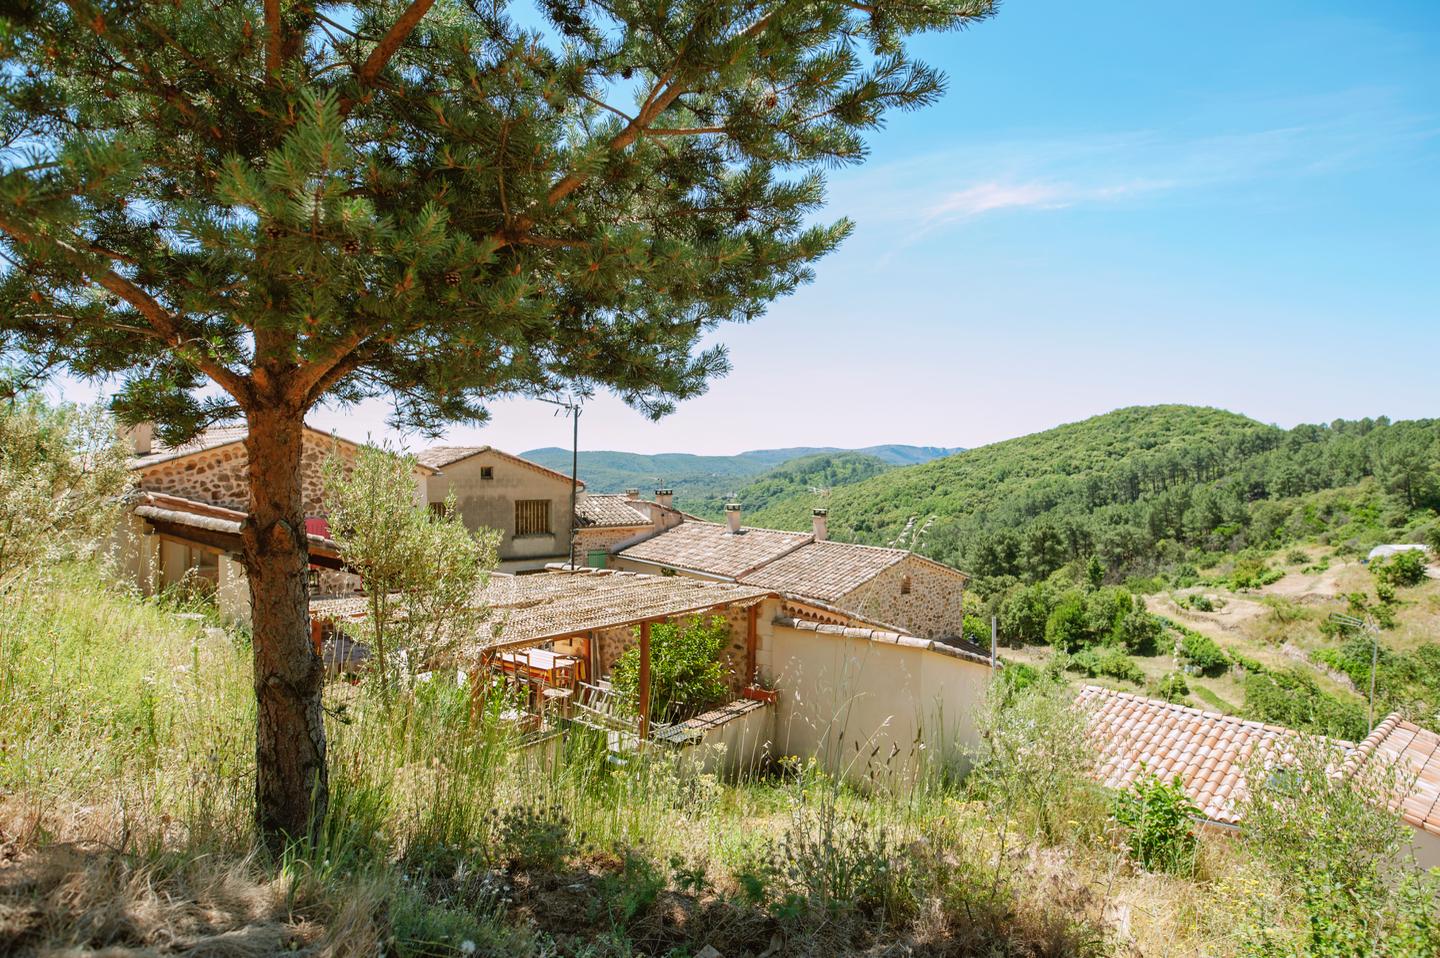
[(732, 516), (821, 523)]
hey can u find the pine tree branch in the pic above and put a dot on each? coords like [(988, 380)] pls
[(396, 35), (160, 319)]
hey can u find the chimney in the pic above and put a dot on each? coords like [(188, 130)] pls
[(732, 516), (822, 527), (141, 437), (665, 497), (632, 494)]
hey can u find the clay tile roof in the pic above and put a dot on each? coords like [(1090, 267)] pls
[(610, 510), (1415, 753), (211, 438), (825, 570), (214, 438), (438, 457), (711, 548), (1208, 751), (530, 609)]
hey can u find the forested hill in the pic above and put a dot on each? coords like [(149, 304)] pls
[(699, 479), (1141, 488)]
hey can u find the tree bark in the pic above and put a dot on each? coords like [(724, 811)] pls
[(291, 787)]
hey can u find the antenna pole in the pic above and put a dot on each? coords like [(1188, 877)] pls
[(1374, 664), (574, 479)]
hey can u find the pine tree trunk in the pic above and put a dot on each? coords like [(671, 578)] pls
[(291, 789)]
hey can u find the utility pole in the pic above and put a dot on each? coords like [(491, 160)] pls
[(1369, 626), (571, 407)]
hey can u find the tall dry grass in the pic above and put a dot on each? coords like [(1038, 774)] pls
[(126, 766)]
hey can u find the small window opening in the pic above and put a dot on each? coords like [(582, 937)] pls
[(905, 585), (487, 472)]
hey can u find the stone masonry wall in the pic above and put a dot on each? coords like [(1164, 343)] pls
[(934, 609), (611, 643), (217, 476), (602, 537)]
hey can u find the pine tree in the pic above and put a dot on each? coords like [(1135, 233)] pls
[(243, 209)]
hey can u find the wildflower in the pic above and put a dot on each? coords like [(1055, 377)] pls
[(467, 947)]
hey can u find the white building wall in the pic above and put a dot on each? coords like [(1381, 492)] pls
[(874, 712)]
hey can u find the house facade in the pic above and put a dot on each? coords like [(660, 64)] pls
[(526, 502), (909, 592), (183, 524)]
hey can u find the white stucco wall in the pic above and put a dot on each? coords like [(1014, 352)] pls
[(873, 711), (490, 503)]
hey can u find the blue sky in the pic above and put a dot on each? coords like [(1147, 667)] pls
[(1114, 204)]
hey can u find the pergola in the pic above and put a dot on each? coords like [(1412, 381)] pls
[(533, 610)]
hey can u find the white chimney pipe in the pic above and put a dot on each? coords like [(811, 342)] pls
[(822, 526), (665, 497), (142, 437), (732, 516)]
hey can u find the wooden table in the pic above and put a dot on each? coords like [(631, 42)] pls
[(550, 668)]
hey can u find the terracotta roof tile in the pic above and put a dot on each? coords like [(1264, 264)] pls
[(438, 457), (597, 510), (212, 438), (825, 570), (711, 548), (1208, 751), (529, 609), (1415, 753)]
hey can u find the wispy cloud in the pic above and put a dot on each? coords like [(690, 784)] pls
[(992, 195), (1201, 155)]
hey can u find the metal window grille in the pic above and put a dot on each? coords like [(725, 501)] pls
[(532, 517)]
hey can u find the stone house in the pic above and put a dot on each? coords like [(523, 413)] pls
[(895, 586), (183, 524), (528, 503), (606, 522)]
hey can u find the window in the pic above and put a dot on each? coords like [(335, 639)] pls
[(487, 472), (437, 510), (905, 585), (532, 517)]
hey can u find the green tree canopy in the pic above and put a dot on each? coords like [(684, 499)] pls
[(241, 209)]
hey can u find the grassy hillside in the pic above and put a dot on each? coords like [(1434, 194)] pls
[(125, 829), (699, 480)]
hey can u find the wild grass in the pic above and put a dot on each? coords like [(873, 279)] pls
[(126, 762)]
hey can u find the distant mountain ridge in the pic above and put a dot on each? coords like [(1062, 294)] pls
[(698, 481)]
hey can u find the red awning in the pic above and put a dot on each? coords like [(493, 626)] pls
[(318, 527)]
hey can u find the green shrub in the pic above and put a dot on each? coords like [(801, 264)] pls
[(829, 864), (1296, 557), (1109, 661), (1137, 630), (687, 672), (1401, 569), (1172, 687), (1023, 614), (627, 895), (1292, 698), (1334, 845), (1067, 628), (1200, 655), (1251, 574), (1157, 819)]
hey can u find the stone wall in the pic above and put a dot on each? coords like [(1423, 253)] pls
[(933, 609), (605, 537), (217, 476), (611, 644)]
